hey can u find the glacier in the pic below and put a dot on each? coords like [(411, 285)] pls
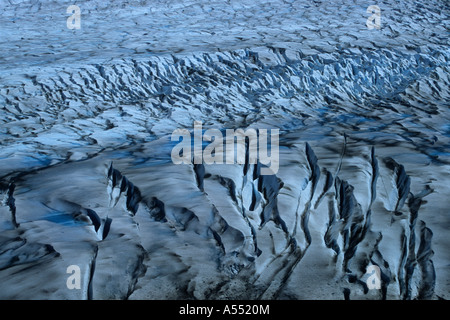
[(87, 179)]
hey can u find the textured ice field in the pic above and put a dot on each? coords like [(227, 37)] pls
[(86, 176)]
